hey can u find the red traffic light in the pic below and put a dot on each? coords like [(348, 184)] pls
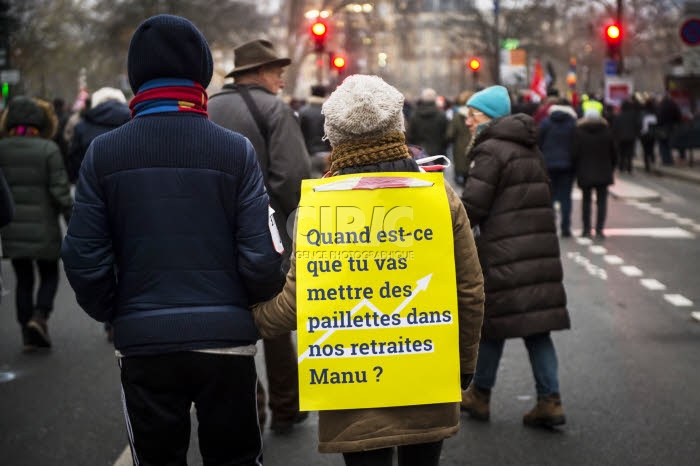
[(318, 30), (613, 33), (474, 64), (338, 63)]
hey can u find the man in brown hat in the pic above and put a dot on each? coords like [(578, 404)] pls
[(250, 106)]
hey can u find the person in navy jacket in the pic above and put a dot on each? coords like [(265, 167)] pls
[(170, 241)]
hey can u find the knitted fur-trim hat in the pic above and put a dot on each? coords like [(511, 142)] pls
[(362, 107), (104, 94)]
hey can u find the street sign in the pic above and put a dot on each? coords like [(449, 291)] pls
[(9, 76), (690, 32), (610, 67)]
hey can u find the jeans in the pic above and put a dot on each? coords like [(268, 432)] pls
[(543, 359), (421, 454), (648, 146), (562, 184), (48, 275), (601, 194)]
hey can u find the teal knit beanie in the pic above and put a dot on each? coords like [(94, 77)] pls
[(494, 101)]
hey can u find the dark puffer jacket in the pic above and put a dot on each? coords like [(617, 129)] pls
[(428, 128), (98, 120), (594, 153), (33, 168), (169, 238), (507, 195)]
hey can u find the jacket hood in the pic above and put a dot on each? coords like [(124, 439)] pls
[(592, 125), (426, 109), (109, 113), (27, 111), (519, 128), (560, 112)]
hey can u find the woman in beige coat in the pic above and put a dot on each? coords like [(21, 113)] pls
[(364, 124)]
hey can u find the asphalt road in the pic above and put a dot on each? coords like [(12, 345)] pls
[(628, 367)]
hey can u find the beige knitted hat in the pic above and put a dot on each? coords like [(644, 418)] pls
[(362, 107)]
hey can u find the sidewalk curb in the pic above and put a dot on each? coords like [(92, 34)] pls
[(629, 190), (686, 173)]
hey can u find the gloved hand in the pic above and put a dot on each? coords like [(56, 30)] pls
[(465, 380)]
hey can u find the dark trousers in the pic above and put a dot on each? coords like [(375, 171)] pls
[(562, 184), (626, 155), (282, 377), (157, 392), (601, 194), (665, 151), (48, 284), (648, 147), (421, 454)]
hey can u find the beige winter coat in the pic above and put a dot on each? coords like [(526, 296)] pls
[(373, 428)]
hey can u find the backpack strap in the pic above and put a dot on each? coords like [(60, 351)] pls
[(252, 108)]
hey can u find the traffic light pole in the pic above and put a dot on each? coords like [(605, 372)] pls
[(319, 67), (620, 66)]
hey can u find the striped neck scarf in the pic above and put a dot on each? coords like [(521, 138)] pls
[(169, 95), (24, 130)]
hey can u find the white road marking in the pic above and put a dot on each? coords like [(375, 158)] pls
[(672, 232), (584, 241), (695, 315), (655, 210), (696, 227), (678, 300), (669, 215), (652, 284), (685, 221), (631, 271), (614, 260), (125, 458), (597, 249)]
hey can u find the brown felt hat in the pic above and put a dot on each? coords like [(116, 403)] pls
[(255, 54)]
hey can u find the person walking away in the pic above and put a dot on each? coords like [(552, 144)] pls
[(646, 135), (555, 139), (250, 106), (365, 127), (669, 118), (626, 128), (459, 135), (170, 242), (594, 158), (108, 111), (311, 121), (33, 166), (507, 196), (428, 125)]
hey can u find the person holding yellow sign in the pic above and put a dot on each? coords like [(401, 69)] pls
[(385, 286)]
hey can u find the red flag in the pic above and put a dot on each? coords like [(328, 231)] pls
[(538, 85)]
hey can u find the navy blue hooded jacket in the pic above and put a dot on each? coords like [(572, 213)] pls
[(98, 120), (169, 238), (556, 137)]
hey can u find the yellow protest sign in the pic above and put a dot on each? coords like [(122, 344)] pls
[(376, 292)]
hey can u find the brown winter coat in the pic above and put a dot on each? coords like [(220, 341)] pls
[(372, 428), (507, 195)]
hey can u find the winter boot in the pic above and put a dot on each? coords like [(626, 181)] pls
[(475, 401), (548, 412), (38, 330)]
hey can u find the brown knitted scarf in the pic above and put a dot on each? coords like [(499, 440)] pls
[(369, 151)]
